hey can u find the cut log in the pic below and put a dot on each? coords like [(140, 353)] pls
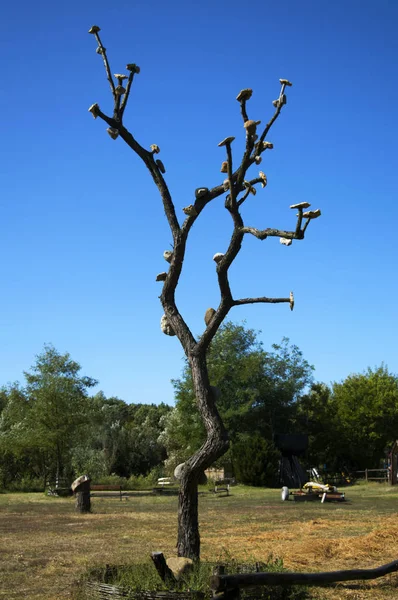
[(81, 489), (165, 573)]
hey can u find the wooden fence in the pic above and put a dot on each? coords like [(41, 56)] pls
[(227, 587), (367, 474)]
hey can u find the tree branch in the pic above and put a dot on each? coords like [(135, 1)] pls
[(244, 197), (126, 95), (279, 104), (264, 233), (148, 159), (230, 176), (106, 63), (242, 98), (264, 300)]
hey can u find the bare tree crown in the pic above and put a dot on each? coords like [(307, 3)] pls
[(236, 187)]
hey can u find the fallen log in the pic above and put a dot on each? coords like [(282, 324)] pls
[(220, 583)]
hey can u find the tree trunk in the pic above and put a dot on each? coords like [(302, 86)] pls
[(83, 500), (188, 543)]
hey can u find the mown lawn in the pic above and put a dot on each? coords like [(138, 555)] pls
[(45, 545)]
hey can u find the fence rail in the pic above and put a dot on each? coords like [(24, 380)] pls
[(227, 586), (368, 477)]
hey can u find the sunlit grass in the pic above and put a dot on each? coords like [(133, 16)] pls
[(45, 545)]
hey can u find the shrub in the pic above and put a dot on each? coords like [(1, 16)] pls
[(255, 461)]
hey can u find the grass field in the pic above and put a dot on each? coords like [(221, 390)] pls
[(45, 545)]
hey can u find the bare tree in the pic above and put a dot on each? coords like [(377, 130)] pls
[(237, 189)]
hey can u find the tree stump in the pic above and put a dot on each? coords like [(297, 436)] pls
[(81, 489)]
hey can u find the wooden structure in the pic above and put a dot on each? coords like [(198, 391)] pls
[(222, 486), (96, 490), (228, 586), (393, 464)]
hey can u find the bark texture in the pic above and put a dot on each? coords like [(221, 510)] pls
[(188, 542), (83, 500)]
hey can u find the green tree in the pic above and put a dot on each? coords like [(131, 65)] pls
[(255, 461), (257, 390), (59, 407), (316, 416), (123, 439), (366, 408)]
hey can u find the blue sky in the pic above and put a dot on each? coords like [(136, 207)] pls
[(83, 229)]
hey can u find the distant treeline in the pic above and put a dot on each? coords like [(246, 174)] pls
[(51, 427)]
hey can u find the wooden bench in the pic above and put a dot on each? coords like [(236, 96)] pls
[(107, 488), (222, 485), (60, 487), (165, 481)]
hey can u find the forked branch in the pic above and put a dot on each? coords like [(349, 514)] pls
[(234, 185)]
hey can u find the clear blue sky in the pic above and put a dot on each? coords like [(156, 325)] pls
[(83, 230)]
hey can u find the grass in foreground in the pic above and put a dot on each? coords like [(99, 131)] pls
[(138, 578), (45, 545)]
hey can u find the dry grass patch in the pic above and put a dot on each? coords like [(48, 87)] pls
[(45, 545)]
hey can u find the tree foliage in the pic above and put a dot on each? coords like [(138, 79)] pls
[(257, 390), (52, 428), (255, 461), (366, 409)]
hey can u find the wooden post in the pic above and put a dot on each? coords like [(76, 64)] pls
[(229, 593), (165, 573), (81, 489), (366, 474), (224, 583)]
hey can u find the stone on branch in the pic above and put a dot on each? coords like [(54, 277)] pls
[(133, 68), (100, 50), (312, 214), (190, 211), (155, 149), (209, 314), (200, 192), (94, 29), (285, 82), (257, 160), (113, 132), (285, 241), (249, 187), (267, 146), (218, 257), (94, 108), (244, 95), (166, 327), (168, 255), (224, 167), (291, 303), (120, 76), (263, 178), (301, 205), (120, 90), (227, 140), (251, 126), (161, 276)]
